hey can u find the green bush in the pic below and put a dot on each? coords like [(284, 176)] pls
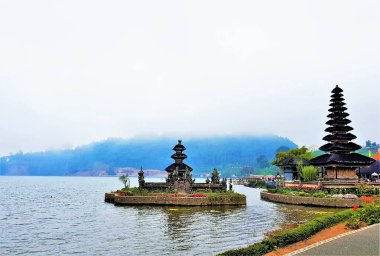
[(369, 214), (230, 196), (257, 183), (309, 173), (291, 236), (319, 194)]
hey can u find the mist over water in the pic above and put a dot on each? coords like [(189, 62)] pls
[(67, 215)]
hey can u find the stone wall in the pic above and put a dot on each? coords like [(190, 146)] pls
[(311, 201), (165, 200)]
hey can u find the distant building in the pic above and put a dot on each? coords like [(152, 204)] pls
[(341, 162), (372, 172), (289, 167)]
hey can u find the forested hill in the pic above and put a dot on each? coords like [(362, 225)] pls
[(229, 154)]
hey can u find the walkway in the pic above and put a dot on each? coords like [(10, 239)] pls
[(363, 242)]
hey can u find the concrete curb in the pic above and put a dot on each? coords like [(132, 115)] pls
[(328, 240)]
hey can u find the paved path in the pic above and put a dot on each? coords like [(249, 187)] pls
[(363, 242)]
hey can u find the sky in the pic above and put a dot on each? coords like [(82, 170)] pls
[(75, 72)]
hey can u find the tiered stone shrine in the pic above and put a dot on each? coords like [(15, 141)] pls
[(180, 177)]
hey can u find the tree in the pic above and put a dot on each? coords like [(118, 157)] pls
[(299, 153), (309, 173), (282, 149), (262, 161), (125, 180)]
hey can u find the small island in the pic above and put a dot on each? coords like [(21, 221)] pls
[(179, 188)]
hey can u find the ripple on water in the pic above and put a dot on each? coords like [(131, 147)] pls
[(67, 215)]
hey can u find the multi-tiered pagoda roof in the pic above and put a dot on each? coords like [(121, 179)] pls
[(178, 157), (340, 148)]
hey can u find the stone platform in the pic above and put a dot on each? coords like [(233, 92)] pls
[(311, 201), (178, 200)]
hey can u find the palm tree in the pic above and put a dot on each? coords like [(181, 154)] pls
[(124, 178)]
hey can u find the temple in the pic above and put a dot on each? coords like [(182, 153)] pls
[(289, 167), (180, 178), (340, 161)]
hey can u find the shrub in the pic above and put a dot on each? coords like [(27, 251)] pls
[(369, 214), (232, 197), (319, 195), (291, 236), (309, 173), (257, 183)]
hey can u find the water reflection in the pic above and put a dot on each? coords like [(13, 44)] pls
[(75, 220)]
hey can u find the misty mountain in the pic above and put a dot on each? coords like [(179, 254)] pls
[(229, 154)]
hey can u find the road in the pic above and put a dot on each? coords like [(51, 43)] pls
[(364, 242)]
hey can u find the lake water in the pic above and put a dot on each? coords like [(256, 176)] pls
[(67, 215)]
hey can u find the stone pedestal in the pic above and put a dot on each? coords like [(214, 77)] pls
[(182, 186)]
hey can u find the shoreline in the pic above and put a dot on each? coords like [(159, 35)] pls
[(326, 234)]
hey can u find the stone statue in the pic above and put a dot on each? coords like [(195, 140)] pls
[(170, 178), (224, 183), (188, 177), (176, 174)]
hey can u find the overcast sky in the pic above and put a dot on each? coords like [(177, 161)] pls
[(74, 72)]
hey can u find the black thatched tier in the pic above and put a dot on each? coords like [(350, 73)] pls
[(335, 98), (353, 159), (339, 128), (179, 146), (338, 121), (179, 156), (338, 115), (337, 109), (337, 104), (340, 146), (337, 89), (292, 162), (339, 137), (181, 166)]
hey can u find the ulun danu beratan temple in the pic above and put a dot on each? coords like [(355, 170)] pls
[(340, 161), (180, 177)]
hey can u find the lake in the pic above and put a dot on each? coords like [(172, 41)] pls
[(67, 215)]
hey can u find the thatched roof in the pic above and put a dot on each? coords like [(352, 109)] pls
[(339, 137), (352, 159), (340, 121), (179, 146), (337, 108), (339, 128), (179, 156), (181, 166), (375, 167), (292, 162), (337, 103), (340, 146), (337, 89), (337, 114)]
